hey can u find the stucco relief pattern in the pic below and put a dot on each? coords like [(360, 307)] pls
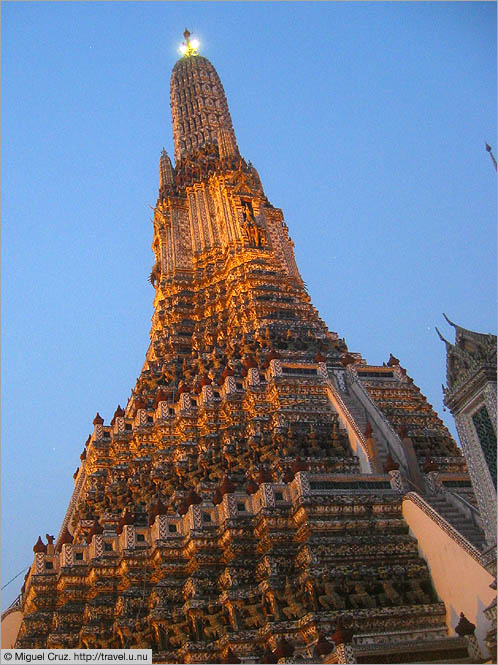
[(479, 473)]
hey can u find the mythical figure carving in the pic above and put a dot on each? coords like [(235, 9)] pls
[(330, 599)]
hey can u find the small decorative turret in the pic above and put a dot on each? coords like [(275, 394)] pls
[(65, 539), (156, 508), (323, 647), (273, 355), (98, 420), (299, 465), (228, 371), (247, 364), (192, 499), (464, 626), (161, 396), (287, 476), (264, 476), (39, 546), (127, 519), (269, 656), (119, 413), (342, 635), (430, 465), (96, 529), (166, 179), (284, 649), (182, 388), (227, 487), (217, 497), (390, 465)]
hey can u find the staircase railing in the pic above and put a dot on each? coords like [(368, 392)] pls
[(419, 489), (450, 530), (376, 413), (15, 605)]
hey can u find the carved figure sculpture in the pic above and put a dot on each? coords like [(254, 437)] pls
[(331, 600), (292, 608), (361, 598)]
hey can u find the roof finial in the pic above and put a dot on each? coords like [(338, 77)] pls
[(450, 322), (443, 339), (488, 148)]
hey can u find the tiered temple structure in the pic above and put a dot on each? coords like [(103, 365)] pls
[(258, 499)]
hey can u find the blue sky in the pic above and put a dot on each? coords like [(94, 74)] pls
[(367, 123)]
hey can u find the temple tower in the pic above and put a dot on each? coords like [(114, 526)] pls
[(470, 394), (252, 501)]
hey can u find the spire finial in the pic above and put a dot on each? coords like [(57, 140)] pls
[(189, 46)]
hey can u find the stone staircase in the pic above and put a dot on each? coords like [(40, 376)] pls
[(458, 520), (359, 414)]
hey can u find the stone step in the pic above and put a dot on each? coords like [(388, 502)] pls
[(471, 535), (457, 520), (360, 417)]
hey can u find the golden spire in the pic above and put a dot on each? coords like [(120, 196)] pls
[(189, 47)]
